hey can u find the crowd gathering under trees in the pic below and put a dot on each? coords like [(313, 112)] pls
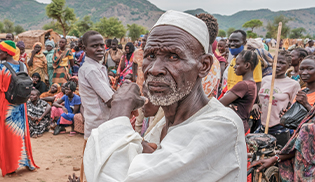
[(166, 105)]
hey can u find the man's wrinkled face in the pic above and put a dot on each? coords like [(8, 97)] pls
[(170, 64)]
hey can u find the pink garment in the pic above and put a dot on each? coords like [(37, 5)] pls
[(65, 121), (56, 112)]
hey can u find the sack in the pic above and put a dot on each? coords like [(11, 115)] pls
[(20, 86), (260, 141), (293, 117)]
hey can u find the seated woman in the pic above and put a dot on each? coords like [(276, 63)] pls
[(242, 96), (285, 90), (54, 90), (38, 113), (296, 159), (55, 112), (71, 107), (38, 84)]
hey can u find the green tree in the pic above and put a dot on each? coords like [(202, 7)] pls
[(8, 26), (221, 33), (53, 25), (255, 23), (18, 29), (1, 27), (74, 32), (268, 35), (251, 34), (84, 25), (272, 27), (229, 31), (297, 33), (135, 31), (110, 27), (64, 16)]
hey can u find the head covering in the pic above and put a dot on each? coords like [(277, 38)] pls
[(191, 24), (114, 71), (214, 47), (36, 74), (40, 53), (306, 40), (20, 44), (255, 43), (8, 46), (131, 50), (75, 79), (51, 43), (58, 87)]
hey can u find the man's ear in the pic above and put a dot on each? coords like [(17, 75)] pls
[(206, 62)]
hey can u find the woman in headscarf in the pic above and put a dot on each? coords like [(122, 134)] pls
[(23, 55), (37, 62), (49, 52), (15, 148), (38, 84), (62, 60), (54, 90), (126, 65)]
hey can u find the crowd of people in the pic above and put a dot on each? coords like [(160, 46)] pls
[(177, 94)]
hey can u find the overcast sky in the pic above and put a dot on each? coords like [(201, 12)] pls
[(228, 7)]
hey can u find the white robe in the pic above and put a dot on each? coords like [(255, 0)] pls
[(209, 146)]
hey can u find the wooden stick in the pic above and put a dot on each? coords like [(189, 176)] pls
[(274, 66), (82, 166)]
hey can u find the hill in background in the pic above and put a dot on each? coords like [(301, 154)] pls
[(32, 15)]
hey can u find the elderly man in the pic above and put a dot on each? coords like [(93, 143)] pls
[(197, 140)]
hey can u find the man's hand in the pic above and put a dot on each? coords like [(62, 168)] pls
[(264, 163), (301, 98), (148, 147), (125, 100), (74, 178), (65, 110), (256, 111)]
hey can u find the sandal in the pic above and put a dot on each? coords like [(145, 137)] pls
[(72, 133)]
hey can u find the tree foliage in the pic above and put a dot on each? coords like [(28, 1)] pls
[(110, 27), (255, 23), (272, 27), (135, 31), (84, 25), (18, 29), (251, 34), (64, 16), (1, 27), (221, 33), (297, 33), (229, 31), (268, 35), (53, 25), (8, 26)]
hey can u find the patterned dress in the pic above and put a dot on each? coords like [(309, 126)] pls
[(15, 148), (37, 111), (61, 66), (302, 143), (210, 83)]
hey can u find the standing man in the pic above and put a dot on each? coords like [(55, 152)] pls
[(16, 57), (112, 57), (198, 139), (310, 47)]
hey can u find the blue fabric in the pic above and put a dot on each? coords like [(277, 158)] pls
[(78, 54), (82, 60), (76, 100), (236, 51)]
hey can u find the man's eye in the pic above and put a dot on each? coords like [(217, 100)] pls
[(151, 56), (174, 57)]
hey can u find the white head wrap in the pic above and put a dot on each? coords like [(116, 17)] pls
[(255, 43), (51, 43), (191, 24)]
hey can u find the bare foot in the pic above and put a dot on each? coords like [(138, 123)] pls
[(39, 135), (34, 136), (13, 174)]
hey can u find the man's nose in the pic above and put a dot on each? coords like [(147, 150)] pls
[(157, 68)]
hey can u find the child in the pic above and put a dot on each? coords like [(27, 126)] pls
[(242, 96), (112, 79)]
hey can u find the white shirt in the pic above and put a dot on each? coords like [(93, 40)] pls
[(209, 146), (95, 91)]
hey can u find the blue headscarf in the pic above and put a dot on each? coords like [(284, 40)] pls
[(51, 43)]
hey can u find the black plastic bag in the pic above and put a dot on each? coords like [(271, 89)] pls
[(293, 117)]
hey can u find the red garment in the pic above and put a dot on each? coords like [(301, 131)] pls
[(15, 145)]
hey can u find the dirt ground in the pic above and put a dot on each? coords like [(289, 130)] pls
[(57, 156)]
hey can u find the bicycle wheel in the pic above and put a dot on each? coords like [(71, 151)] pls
[(272, 174)]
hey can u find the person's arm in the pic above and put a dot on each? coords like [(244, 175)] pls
[(58, 105), (48, 99), (228, 98), (99, 85), (30, 62), (222, 66), (47, 110), (265, 163), (76, 109)]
